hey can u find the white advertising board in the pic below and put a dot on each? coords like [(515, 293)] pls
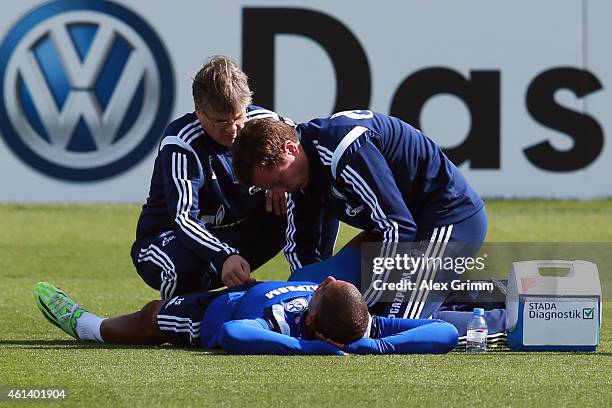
[(517, 93)]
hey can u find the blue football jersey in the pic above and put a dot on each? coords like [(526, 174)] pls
[(279, 306), (268, 318)]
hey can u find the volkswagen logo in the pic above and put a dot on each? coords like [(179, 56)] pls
[(86, 89)]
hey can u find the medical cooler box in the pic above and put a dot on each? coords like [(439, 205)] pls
[(553, 313)]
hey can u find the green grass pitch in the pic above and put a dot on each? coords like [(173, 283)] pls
[(84, 249)]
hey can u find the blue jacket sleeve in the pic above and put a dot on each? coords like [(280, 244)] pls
[(303, 230), (253, 336), (182, 180), (364, 171), (408, 336)]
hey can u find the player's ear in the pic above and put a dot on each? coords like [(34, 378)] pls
[(199, 113), (291, 148)]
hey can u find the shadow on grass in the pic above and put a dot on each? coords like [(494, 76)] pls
[(507, 352), (560, 353), (72, 344)]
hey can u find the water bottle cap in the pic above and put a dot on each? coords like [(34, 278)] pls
[(478, 311)]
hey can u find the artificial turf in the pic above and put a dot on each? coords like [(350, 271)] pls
[(84, 249)]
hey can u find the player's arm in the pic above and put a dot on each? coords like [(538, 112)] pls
[(364, 171), (303, 232), (407, 336), (183, 179), (253, 336)]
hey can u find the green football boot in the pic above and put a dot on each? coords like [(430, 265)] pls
[(57, 307)]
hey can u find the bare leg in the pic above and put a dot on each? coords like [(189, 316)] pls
[(136, 328)]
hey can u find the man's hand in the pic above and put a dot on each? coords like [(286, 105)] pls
[(276, 202), (236, 271)]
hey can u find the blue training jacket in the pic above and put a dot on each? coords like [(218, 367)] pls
[(193, 184), (377, 173)]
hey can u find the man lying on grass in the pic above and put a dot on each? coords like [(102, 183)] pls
[(257, 318)]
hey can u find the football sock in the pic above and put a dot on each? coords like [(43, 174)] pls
[(88, 327)]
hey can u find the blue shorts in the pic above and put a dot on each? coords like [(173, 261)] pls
[(181, 317)]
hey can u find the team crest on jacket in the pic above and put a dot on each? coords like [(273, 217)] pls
[(353, 211), (254, 190), (297, 305)]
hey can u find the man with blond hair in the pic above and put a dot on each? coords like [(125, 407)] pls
[(199, 228)]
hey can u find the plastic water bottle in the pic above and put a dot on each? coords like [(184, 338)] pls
[(477, 331)]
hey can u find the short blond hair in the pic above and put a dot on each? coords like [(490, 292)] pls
[(221, 87)]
